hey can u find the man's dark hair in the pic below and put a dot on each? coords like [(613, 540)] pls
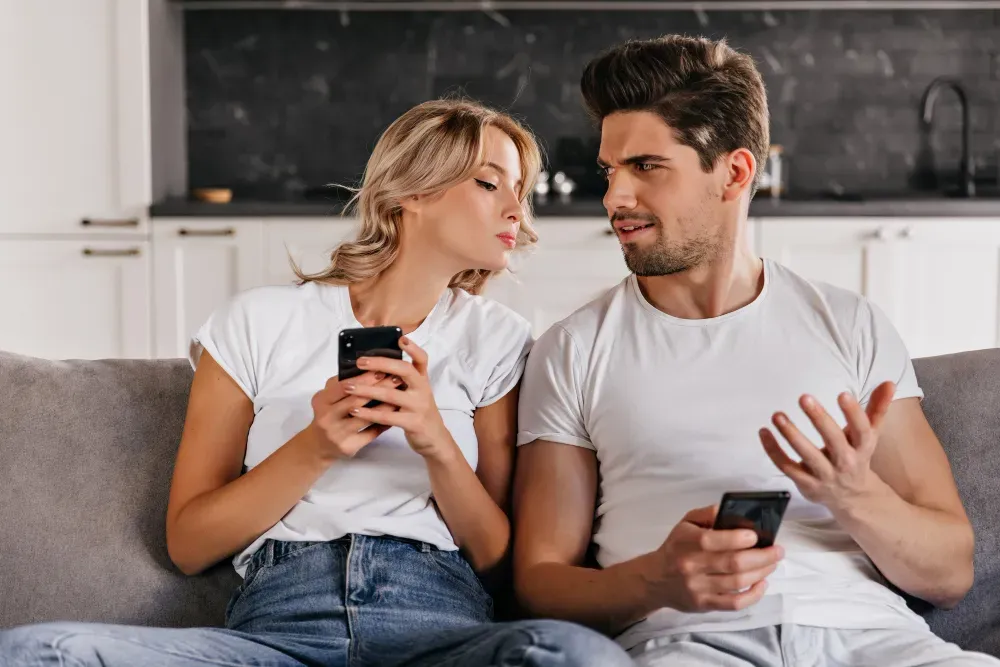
[(712, 96)]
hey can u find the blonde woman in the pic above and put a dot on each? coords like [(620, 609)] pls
[(359, 531)]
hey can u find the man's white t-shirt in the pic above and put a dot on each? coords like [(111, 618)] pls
[(280, 345), (672, 408)]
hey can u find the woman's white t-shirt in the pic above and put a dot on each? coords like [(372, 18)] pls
[(280, 345)]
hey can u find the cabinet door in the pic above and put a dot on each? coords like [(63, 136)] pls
[(198, 265), (948, 278), (74, 299), (575, 261), (850, 253), (307, 241), (74, 121)]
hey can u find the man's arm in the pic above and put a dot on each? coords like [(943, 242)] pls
[(887, 481), (696, 568), (916, 531)]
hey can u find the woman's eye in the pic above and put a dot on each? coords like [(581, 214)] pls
[(486, 185)]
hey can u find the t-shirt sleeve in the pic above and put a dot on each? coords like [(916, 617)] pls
[(551, 400), (883, 356), (516, 334), (227, 335)]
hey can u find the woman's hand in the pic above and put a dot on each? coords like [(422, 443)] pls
[(417, 412), (335, 432)]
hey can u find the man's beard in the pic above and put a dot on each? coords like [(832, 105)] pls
[(664, 258)]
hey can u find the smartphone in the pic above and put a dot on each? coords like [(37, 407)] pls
[(759, 511), (366, 342)]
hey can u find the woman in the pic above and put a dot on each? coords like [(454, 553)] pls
[(355, 527)]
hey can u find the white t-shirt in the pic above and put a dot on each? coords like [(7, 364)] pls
[(672, 408), (280, 345)]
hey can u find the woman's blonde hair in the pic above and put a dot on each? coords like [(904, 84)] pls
[(430, 148)]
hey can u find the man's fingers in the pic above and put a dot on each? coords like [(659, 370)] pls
[(815, 461), (721, 584), (879, 403), (745, 560), (837, 448), (703, 517), (736, 601), (727, 540)]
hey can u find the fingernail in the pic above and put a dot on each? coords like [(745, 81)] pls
[(362, 362), (808, 401), (379, 376), (350, 387), (404, 340), (779, 418), (356, 411), (396, 380)]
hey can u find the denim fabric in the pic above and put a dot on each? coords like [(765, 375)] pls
[(355, 602)]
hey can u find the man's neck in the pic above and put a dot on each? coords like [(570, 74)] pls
[(712, 289)]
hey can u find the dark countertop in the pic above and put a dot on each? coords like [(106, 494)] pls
[(901, 207)]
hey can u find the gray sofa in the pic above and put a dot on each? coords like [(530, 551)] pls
[(87, 447)]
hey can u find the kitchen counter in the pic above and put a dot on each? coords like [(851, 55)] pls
[(898, 207)]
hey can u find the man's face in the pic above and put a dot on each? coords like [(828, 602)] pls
[(667, 211)]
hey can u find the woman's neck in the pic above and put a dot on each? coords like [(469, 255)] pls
[(403, 295)]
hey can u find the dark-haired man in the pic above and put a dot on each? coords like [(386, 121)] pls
[(639, 410)]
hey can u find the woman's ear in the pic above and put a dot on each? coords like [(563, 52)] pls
[(412, 204), (741, 166)]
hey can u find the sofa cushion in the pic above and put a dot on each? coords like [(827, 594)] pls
[(962, 404), (86, 454)]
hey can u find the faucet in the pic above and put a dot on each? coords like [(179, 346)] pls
[(929, 101)]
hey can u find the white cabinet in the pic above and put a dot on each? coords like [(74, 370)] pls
[(307, 241), (197, 265), (946, 275), (75, 299), (938, 280), (575, 261), (850, 253), (74, 120)]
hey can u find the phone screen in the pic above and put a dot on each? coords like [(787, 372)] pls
[(759, 511)]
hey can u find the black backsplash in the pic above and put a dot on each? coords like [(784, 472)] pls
[(280, 101)]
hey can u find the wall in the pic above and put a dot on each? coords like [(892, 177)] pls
[(278, 101)]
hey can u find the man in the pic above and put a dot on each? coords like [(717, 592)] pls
[(641, 409)]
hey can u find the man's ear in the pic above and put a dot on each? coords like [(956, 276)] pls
[(741, 167)]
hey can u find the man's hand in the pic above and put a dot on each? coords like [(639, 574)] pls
[(699, 569), (838, 474)]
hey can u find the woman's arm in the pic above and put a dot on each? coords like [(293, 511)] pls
[(213, 511), (473, 504)]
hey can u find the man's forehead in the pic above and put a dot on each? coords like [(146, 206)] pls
[(635, 133)]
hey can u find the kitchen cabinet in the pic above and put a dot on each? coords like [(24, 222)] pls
[(938, 280), (197, 265), (74, 122), (75, 299), (575, 261)]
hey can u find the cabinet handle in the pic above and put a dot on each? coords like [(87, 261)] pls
[(113, 252), (906, 232), (227, 231), (127, 222), (879, 234)]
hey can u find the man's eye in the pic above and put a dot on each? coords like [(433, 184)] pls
[(605, 172), (644, 166)]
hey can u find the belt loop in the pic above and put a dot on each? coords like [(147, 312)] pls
[(425, 548), (269, 554)]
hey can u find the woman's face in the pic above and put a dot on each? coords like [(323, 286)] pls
[(475, 224)]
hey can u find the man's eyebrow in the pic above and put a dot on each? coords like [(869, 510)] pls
[(636, 159)]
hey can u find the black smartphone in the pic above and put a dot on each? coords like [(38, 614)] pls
[(760, 511), (366, 342)]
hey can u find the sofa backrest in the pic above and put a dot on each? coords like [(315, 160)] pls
[(87, 450), (86, 453)]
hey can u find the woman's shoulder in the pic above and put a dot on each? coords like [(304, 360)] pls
[(271, 302), (486, 317)]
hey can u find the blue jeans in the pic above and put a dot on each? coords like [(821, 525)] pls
[(358, 601)]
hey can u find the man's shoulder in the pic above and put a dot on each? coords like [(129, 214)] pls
[(583, 324), (841, 303)]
